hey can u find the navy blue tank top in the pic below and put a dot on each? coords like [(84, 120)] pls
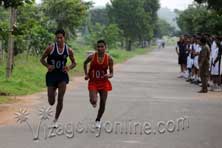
[(58, 59)]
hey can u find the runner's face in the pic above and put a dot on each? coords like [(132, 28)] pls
[(101, 48), (60, 39)]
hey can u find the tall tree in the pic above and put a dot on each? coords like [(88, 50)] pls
[(135, 18), (34, 33), (198, 19), (68, 14), (212, 4), (99, 15), (13, 5), (110, 33), (10, 57), (1, 52), (163, 28), (3, 31)]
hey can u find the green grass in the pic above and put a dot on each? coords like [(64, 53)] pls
[(120, 55), (29, 75), (4, 99)]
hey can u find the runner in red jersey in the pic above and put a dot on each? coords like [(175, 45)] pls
[(98, 77)]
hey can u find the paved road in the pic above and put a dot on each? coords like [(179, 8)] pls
[(166, 111)]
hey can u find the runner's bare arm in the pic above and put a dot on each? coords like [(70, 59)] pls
[(73, 61), (45, 55), (110, 75), (88, 59)]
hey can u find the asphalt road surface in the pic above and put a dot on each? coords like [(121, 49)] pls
[(149, 107)]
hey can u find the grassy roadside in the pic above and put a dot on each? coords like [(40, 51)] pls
[(29, 75), (5, 99)]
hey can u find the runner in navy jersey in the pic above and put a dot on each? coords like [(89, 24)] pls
[(54, 59)]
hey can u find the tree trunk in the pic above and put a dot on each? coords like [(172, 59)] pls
[(10, 43), (129, 45), (142, 44), (1, 52), (122, 44)]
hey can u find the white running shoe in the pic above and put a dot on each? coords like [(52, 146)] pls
[(98, 124)]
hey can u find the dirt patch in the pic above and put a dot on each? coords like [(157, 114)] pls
[(7, 111)]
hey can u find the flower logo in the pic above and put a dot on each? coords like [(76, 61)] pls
[(45, 113), (22, 115)]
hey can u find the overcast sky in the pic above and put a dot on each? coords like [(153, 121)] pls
[(172, 4)]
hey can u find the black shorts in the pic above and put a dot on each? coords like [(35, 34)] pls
[(182, 59), (54, 78)]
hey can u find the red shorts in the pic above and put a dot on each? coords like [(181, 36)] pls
[(103, 85)]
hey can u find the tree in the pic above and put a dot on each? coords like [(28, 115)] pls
[(99, 15), (67, 14), (99, 27), (13, 5), (34, 33), (110, 33), (212, 4), (3, 31), (163, 28), (135, 18), (198, 19), (151, 7)]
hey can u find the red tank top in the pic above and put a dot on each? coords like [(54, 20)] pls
[(97, 70)]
